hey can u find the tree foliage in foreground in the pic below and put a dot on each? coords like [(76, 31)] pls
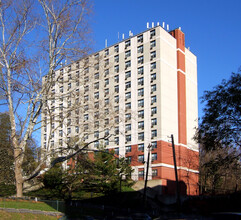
[(219, 135), (102, 175)]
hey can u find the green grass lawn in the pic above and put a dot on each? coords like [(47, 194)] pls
[(21, 204), (16, 216)]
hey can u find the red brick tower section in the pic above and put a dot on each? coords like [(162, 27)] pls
[(181, 85)]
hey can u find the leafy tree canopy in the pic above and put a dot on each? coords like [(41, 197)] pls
[(221, 124)]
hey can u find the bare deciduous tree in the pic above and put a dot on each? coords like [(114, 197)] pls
[(35, 38)]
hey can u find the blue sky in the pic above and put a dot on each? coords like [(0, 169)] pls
[(212, 30)]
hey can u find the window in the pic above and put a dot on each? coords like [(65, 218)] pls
[(86, 127), (96, 85), (77, 129), (153, 66), (61, 89), (141, 103), (127, 54), (106, 142), (153, 133), (140, 81), (77, 72), (96, 115), (69, 68), (128, 127), (153, 122), (128, 64), (106, 121), (106, 72), (86, 107), (69, 103), (153, 44), (140, 49), (128, 138), (106, 111), (154, 172), (153, 88), (128, 95), (140, 60), (96, 144), (154, 156), (116, 130), (141, 114), (141, 147), (106, 82), (141, 92), (153, 99), (106, 91), (77, 83), (116, 140), (128, 116), (128, 85), (152, 33), (96, 66), (86, 70), (97, 56), (61, 133), (141, 158), (68, 121), (86, 89), (153, 55), (153, 77), (116, 48), (128, 159), (96, 95), (97, 76), (141, 124), (141, 173), (127, 74), (127, 43), (96, 124), (117, 89), (116, 109), (96, 134), (116, 78), (68, 130), (116, 119), (107, 132), (128, 149), (86, 79), (116, 58), (107, 102), (116, 68), (141, 136), (140, 70), (116, 99), (140, 39), (128, 105), (154, 145), (106, 52), (86, 117)]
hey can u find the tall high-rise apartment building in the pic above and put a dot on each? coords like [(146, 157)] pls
[(137, 92)]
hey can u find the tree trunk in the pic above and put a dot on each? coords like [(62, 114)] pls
[(18, 174)]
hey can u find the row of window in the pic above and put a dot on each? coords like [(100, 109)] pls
[(141, 173)]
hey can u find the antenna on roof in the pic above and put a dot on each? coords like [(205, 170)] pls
[(167, 27), (163, 24), (179, 28), (123, 36), (130, 34), (158, 23), (147, 25), (152, 25), (118, 36), (105, 43)]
